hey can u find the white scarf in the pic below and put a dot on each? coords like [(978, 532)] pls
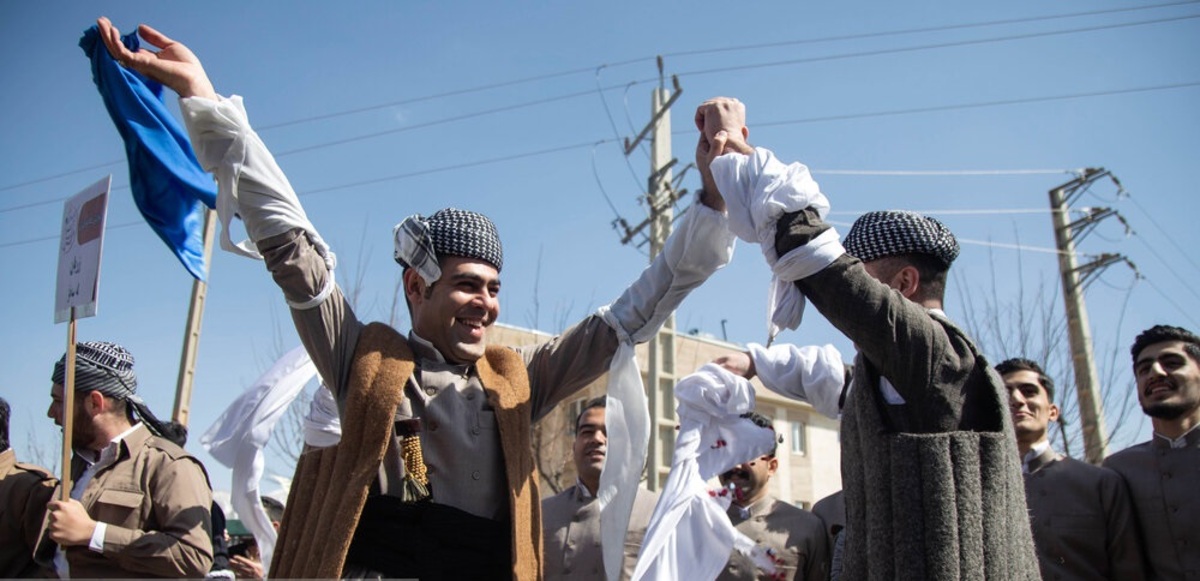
[(758, 190), (237, 438), (690, 536)]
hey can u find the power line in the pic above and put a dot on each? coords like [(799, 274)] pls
[(1167, 298), (984, 211), (1162, 231), (949, 44), (944, 172), (998, 103), (107, 228), (525, 80), (793, 122), (943, 28)]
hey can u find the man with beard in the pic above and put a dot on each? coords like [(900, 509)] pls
[(139, 504), (571, 519), (794, 537), (1082, 519), (1164, 473)]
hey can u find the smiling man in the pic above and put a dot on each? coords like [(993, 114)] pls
[(572, 518), (795, 537), (434, 476), (1082, 519), (1164, 473)]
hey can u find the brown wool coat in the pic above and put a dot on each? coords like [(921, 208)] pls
[(330, 485)]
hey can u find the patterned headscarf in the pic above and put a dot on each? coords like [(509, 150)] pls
[(421, 241), (108, 368), (887, 233)]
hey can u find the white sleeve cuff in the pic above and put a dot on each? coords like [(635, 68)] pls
[(97, 542)]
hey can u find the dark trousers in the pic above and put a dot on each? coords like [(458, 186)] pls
[(430, 542)]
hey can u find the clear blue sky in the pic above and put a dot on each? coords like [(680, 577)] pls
[(441, 121)]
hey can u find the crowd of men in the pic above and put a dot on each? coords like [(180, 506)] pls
[(947, 467)]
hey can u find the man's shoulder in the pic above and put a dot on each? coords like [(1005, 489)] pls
[(794, 517), (1129, 457), (1080, 471), (566, 497)]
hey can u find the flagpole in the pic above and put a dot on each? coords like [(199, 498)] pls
[(191, 335), (68, 409)]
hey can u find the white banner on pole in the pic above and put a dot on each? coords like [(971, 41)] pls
[(84, 216)]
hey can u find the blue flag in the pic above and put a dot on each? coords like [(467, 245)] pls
[(169, 186)]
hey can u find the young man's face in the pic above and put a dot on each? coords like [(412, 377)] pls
[(1168, 380), (1030, 405), (591, 444), (455, 312)]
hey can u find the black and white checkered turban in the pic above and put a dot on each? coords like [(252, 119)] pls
[(101, 366), (421, 241), (887, 233)]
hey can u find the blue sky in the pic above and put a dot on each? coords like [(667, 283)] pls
[(378, 110)]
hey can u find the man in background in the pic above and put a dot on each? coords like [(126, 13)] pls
[(244, 559), (795, 537), (1164, 474), (571, 519), (139, 504), (1082, 519)]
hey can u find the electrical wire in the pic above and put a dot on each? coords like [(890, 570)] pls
[(798, 121), (1162, 231), (940, 45), (699, 72), (1172, 301)]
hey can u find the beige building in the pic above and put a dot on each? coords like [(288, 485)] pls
[(809, 456)]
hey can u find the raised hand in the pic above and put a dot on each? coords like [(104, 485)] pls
[(724, 114), (174, 65)]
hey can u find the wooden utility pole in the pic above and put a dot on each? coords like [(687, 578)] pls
[(1074, 277), (191, 334), (661, 197)]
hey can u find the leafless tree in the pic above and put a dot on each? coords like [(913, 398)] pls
[(1031, 324)]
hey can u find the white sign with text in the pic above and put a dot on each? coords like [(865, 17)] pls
[(79, 250)]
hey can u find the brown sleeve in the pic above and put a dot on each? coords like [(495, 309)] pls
[(329, 331), (568, 362)]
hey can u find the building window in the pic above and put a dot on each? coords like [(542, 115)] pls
[(573, 410), (799, 444)]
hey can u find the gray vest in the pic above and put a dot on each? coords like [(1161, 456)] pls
[(940, 505)]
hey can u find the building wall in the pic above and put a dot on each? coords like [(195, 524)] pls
[(805, 475)]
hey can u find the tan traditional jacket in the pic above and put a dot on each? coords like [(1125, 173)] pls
[(572, 527), (24, 491), (331, 485), (1082, 519), (156, 501), (796, 536)]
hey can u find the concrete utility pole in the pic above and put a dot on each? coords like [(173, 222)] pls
[(1074, 278), (660, 197)]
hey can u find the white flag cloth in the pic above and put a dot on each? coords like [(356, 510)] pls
[(237, 438), (758, 189), (690, 536)]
